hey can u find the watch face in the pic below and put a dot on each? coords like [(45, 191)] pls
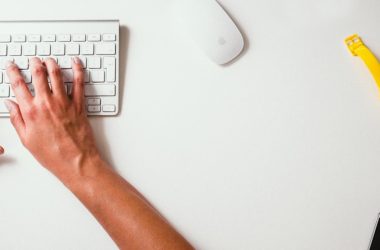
[(375, 244)]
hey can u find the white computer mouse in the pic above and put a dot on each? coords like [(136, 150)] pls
[(211, 28)]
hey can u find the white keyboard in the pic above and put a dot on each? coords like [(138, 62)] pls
[(96, 43)]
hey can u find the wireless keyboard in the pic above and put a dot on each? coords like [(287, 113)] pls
[(95, 42)]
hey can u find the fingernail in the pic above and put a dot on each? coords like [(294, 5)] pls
[(32, 60), (1, 150), (8, 105), (8, 63), (77, 60)]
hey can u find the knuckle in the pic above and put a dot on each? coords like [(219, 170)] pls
[(65, 108), (80, 110), (17, 82), (43, 105), (79, 68), (31, 112), (44, 109), (12, 68), (55, 71), (78, 79), (38, 70)]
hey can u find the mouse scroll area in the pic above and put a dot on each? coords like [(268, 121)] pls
[(212, 29)]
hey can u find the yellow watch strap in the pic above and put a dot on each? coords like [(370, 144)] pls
[(358, 48)]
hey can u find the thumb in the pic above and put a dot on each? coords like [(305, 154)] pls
[(16, 117)]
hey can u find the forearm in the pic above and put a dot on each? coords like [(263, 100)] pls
[(55, 129), (124, 213)]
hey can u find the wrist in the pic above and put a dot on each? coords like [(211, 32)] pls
[(83, 169)]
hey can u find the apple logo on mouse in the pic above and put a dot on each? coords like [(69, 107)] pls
[(222, 41)]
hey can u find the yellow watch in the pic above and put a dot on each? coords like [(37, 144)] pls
[(358, 48)]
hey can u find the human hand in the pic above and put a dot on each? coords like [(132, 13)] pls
[(55, 129), (51, 125)]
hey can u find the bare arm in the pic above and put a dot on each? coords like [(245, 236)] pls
[(55, 129)]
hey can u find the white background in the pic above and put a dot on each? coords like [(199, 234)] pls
[(280, 150)]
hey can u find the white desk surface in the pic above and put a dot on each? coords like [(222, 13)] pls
[(280, 150)]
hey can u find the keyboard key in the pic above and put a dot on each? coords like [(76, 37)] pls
[(31, 89), (1, 77), (109, 108), (6, 79), (3, 49), (64, 62), (69, 88), (79, 38), (58, 49), (93, 101), (43, 49), (27, 76), (94, 62), (63, 38), (87, 49), (99, 90), (67, 75), (86, 76), (48, 38), (29, 49), (105, 49), (4, 90), (3, 61), (93, 37), (109, 63), (5, 38), (3, 108), (97, 75), (14, 49), (34, 38), (72, 49), (109, 37), (22, 62), (93, 108), (19, 38)]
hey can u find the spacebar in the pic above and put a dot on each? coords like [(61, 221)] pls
[(99, 90)]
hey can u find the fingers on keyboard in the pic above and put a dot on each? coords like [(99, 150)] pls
[(55, 77), (20, 89), (97, 53), (39, 77), (78, 84)]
